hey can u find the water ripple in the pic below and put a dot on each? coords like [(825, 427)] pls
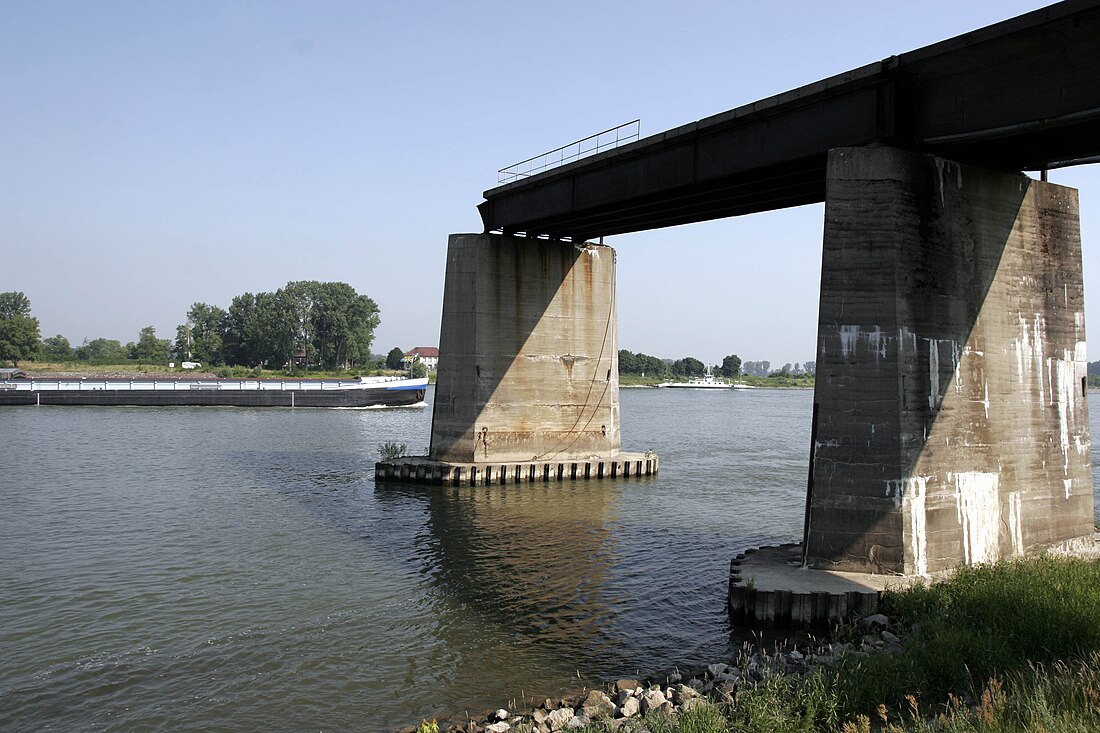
[(234, 569)]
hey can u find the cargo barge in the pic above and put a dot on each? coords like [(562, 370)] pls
[(163, 392)]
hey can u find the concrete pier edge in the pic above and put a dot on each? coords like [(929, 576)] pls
[(769, 586), (424, 470)]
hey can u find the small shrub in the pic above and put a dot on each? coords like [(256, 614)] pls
[(390, 451)]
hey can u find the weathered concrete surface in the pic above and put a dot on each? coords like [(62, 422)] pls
[(952, 421), (528, 367)]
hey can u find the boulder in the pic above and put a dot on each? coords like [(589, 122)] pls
[(627, 685), (500, 714), (598, 705), (558, 719), (717, 669), (875, 619), (653, 701), (629, 707), (500, 727), (683, 693)]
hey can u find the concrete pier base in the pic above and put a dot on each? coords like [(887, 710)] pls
[(769, 586), (950, 411), (442, 473)]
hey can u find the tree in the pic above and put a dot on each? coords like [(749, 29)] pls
[(327, 321), (756, 368), (418, 369), (249, 332), (731, 366), (184, 342), (149, 348), (292, 322), (393, 359), (101, 350), (343, 324), (628, 362), (689, 366), (14, 304), (206, 326), (19, 337), (56, 348), (810, 367)]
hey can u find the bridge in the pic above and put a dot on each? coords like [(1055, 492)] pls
[(950, 419), (1018, 95)]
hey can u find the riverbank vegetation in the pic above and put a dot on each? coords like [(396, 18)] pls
[(325, 326), (777, 380), (638, 369), (995, 649)]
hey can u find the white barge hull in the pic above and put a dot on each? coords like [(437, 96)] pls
[(362, 392)]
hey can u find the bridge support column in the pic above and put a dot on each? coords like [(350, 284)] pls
[(951, 421), (528, 367)]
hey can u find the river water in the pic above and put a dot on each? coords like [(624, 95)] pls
[(233, 569)]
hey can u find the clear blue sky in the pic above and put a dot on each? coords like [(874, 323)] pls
[(157, 154)]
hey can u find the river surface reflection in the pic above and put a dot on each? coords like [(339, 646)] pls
[(235, 569)]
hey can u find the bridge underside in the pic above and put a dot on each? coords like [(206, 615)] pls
[(1018, 95)]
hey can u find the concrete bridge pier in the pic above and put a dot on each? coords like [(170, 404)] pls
[(951, 421), (528, 386)]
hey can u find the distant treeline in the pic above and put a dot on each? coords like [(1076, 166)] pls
[(306, 323), (645, 365)]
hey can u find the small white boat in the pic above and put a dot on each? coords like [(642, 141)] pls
[(705, 382)]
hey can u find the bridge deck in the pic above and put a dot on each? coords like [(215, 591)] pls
[(1017, 95)]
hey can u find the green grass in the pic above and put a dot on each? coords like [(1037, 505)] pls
[(987, 621), (633, 380), (785, 381), (1061, 698), (1006, 648)]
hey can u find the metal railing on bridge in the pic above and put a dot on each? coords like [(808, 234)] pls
[(601, 141)]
